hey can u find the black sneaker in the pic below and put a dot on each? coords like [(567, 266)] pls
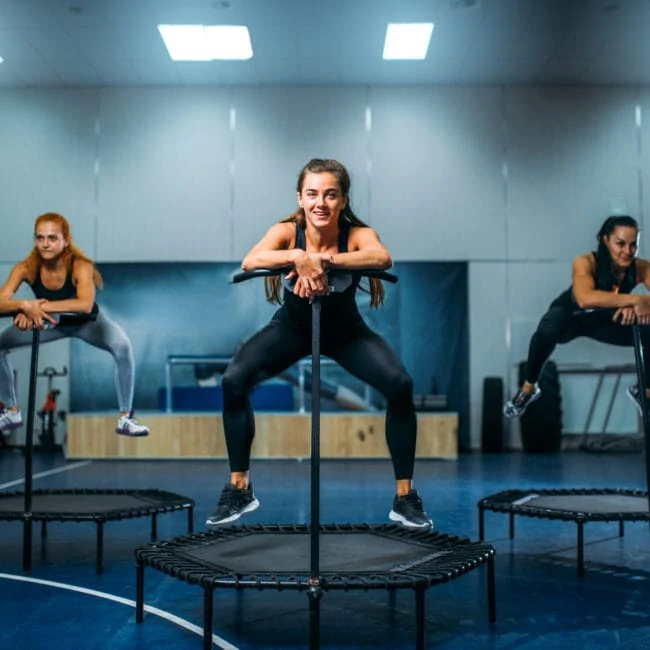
[(520, 402), (409, 511), (634, 394), (234, 502)]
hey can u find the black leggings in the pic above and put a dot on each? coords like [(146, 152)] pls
[(559, 325), (360, 351)]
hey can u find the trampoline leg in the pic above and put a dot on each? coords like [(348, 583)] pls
[(314, 593), (581, 549), (481, 523), (43, 528), (492, 599), (139, 592), (27, 544), (190, 519), (420, 628), (621, 529), (100, 547), (154, 527), (208, 600), (511, 532)]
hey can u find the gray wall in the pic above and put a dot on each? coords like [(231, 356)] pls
[(516, 180)]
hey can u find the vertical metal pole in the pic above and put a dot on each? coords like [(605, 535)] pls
[(640, 371), (314, 593), (29, 452), (315, 439)]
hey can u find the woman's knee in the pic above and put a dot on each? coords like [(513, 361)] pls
[(233, 383), (400, 389)]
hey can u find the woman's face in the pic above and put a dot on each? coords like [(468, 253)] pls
[(50, 241), (622, 245), (321, 199)]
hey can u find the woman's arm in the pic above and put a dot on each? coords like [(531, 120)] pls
[(274, 250), (32, 309), (586, 294), (365, 251), (82, 277)]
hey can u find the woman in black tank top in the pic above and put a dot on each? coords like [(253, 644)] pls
[(603, 278), (322, 234), (63, 279)]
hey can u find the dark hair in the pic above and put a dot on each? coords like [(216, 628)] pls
[(606, 276), (331, 166)]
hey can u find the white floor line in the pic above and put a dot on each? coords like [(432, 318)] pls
[(216, 640), (49, 472)]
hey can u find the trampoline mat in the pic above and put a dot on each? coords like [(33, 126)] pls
[(339, 552), (77, 503), (595, 503)]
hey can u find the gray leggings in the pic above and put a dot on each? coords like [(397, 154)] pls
[(102, 333)]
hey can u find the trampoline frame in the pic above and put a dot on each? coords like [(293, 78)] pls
[(504, 502), (173, 502), (456, 556), (161, 557)]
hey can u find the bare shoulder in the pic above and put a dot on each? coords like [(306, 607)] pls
[(584, 263), (642, 267), (82, 268), (280, 235)]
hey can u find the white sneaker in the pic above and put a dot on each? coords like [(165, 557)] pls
[(10, 420), (127, 425)]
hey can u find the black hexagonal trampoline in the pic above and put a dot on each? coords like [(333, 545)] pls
[(315, 558), (352, 557), (80, 505), (585, 504), (88, 505)]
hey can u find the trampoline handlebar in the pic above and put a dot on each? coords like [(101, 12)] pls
[(265, 273)]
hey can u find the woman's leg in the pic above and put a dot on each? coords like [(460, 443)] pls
[(266, 354), (12, 338), (556, 326), (368, 357), (105, 334)]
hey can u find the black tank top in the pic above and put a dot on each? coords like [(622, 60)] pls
[(567, 299), (66, 292), (335, 308)]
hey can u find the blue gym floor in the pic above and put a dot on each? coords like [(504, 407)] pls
[(541, 603)]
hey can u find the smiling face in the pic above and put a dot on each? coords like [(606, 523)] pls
[(622, 245), (322, 199), (50, 240)]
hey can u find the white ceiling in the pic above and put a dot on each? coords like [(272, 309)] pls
[(325, 42)]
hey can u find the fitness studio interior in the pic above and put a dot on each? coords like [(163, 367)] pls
[(497, 167)]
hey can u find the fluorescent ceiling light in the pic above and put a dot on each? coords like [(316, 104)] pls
[(206, 42), (407, 40)]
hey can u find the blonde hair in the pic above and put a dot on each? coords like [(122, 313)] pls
[(72, 252), (273, 284)]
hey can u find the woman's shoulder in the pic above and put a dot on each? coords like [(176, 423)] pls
[(585, 261)]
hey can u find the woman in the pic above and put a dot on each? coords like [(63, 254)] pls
[(601, 279), (322, 234), (62, 279)]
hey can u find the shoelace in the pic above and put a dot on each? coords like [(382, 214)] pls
[(414, 500)]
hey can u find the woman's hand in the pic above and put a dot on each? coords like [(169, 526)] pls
[(35, 315), (624, 315), (311, 279), (642, 310)]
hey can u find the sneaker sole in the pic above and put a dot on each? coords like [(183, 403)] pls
[(514, 415), (12, 426), (395, 516), (633, 399), (253, 505), (143, 434)]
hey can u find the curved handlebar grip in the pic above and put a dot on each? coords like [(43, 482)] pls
[(265, 273)]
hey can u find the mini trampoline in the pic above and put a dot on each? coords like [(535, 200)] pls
[(98, 506), (580, 505), (316, 558)]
